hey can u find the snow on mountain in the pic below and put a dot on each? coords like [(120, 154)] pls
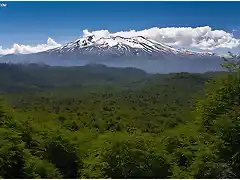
[(121, 46)]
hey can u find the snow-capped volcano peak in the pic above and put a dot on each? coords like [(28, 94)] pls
[(119, 46), (134, 42)]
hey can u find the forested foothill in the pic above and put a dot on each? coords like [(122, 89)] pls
[(100, 122)]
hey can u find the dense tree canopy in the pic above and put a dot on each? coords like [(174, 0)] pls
[(100, 122)]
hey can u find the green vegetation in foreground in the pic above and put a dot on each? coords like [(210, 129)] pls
[(99, 122)]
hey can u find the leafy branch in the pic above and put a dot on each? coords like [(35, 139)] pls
[(232, 63)]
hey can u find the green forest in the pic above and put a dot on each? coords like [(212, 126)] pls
[(100, 122)]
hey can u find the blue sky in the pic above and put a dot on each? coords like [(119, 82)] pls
[(33, 22)]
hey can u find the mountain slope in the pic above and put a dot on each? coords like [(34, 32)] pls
[(137, 52)]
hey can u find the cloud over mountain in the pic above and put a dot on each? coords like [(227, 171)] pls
[(26, 49), (203, 38)]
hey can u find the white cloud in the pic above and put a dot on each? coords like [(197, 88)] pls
[(200, 38), (204, 38), (26, 49)]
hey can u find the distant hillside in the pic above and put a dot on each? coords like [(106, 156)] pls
[(35, 77)]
